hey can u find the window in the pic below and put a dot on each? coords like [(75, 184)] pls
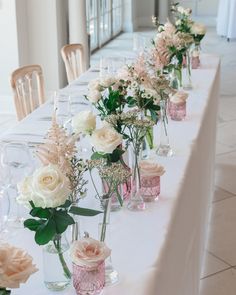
[(104, 20)]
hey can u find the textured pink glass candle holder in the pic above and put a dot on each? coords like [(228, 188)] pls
[(177, 111), (150, 188), (89, 281), (195, 62)]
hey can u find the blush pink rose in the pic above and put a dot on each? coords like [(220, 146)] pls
[(15, 266), (89, 253)]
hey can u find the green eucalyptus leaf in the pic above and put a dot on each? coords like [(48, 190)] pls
[(62, 220), (45, 232), (115, 156), (84, 211), (40, 212), (32, 224)]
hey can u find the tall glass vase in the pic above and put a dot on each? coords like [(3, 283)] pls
[(111, 275), (57, 275), (136, 202), (187, 81), (164, 148)]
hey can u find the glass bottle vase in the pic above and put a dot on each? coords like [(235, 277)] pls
[(164, 149), (186, 72), (111, 275), (57, 275), (136, 202)]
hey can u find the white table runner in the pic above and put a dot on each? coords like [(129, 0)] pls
[(158, 251)]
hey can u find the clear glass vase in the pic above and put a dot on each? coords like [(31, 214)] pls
[(195, 56), (186, 72), (89, 281), (175, 78), (164, 148), (111, 275), (136, 202), (57, 274)]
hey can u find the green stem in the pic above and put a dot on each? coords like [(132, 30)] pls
[(104, 221), (57, 244)]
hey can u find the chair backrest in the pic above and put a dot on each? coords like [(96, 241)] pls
[(73, 57), (28, 87)]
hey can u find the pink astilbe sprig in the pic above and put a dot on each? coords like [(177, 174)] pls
[(58, 149)]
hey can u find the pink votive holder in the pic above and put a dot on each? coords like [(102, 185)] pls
[(150, 188), (195, 62), (177, 111), (89, 281)]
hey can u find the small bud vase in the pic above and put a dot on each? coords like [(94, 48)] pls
[(164, 148), (57, 275), (136, 202), (150, 188), (187, 81), (195, 57), (177, 111), (111, 275), (89, 281)]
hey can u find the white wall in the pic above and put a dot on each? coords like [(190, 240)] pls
[(9, 58), (45, 39), (144, 11), (202, 7)]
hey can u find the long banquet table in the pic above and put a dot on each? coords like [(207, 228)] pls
[(161, 250)]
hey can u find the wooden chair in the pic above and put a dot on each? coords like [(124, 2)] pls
[(28, 87), (73, 56)]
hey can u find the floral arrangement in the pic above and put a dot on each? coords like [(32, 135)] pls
[(170, 46), (184, 23), (52, 192), (15, 268)]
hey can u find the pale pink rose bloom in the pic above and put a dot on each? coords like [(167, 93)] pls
[(148, 168), (89, 253), (15, 266)]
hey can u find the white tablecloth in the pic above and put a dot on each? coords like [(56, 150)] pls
[(226, 19), (160, 250)]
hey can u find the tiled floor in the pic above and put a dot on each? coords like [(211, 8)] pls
[(219, 271)]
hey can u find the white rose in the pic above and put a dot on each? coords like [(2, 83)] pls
[(187, 11), (48, 187), (179, 97), (107, 81), (89, 252), (94, 96), (148, 168), (178, 22), (94, 85), (15, 266), (84, 122), (106, 140), (123, 74), (198, 29), (180, 9)]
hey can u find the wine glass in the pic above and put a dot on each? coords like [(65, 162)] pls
[(16, 160), (4, 204)]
